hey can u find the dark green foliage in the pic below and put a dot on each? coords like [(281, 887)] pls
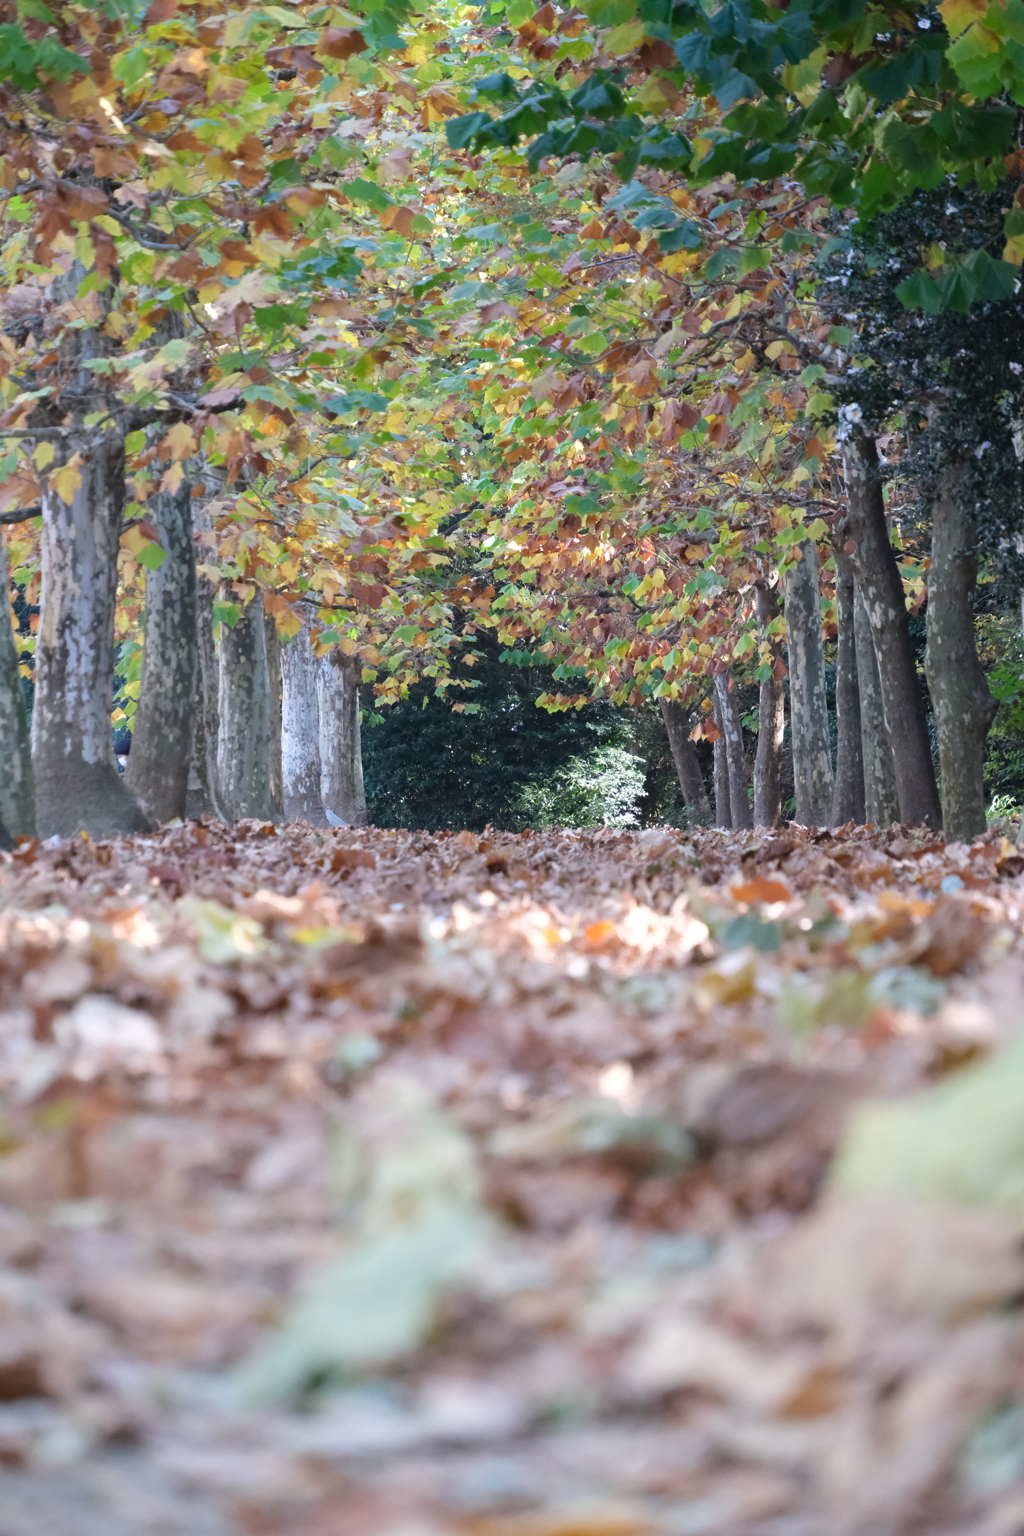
[(511, 765)]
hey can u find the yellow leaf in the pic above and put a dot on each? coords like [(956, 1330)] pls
[(746, 362), (958, 14), (43, 455), (180, 442), (172, 477), (624, 38), (67, 480)]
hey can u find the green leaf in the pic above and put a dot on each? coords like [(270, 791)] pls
[(362, 191), (920, 291), (152, 556)]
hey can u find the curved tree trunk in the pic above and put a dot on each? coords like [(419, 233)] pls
[(771, 717), (732, 729), (684, 755), (874, 566), (78, 787), (243, 731), (158, 765), (964, 708), (808, 704), (341, 753), (300, 731), (17, 796), (848, 794), (881, 807)]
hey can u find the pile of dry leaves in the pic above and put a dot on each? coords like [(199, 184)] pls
[(560, 1184)]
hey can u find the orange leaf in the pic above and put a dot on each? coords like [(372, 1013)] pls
[(599, 933), (762, 890)]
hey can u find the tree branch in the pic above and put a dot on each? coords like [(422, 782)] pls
[(21, 514)]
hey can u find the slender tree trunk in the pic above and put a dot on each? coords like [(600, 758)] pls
[(300, 731), (684, 755), (723, 800), (243, 732), (808, 703), (204, 793), (158, 766), (874, 566), (7, 842), (341, 753), (881, 807), (274, 677), (78, 787), (964, 708), (848, 795), (771, 717), (17, 794), (732, 729)]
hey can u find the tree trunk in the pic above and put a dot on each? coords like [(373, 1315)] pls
[(274, 677), (17, 795), (684, 755), (771, 718), (341, 753), (158, 766), (723, 800), (78, 787), (881, 807), (848, 795), (732, 729), (808, 704), (204, 794), (300, 731), (243, 730), (874, 566), (964, 708)]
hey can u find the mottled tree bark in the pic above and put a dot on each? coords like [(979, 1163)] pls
[(7, 842), (78, 787), (300, 731), (243, 732), (881, 807), (17, 796), (723, 799), (204, 795), (848, 794), (808, 703), (684, 755), (771, 718), (274, 678), (158, 766), (732, 729), (964, 708), (341, 753), (874, 566)]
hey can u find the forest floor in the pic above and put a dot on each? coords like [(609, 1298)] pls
[(562, 1184)]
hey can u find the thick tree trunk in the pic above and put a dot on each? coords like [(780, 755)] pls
[(881, 806), (78, 787), (17, 796), (732, 729), (243, 730), (964, 708), (808, 703), (684, 755), (848, 794), (274, 676), (158, 766), (341, 753), (874, 566), (771, 718), (300, 731)]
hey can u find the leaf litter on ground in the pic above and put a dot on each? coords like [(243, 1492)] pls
[(564, 1183)]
